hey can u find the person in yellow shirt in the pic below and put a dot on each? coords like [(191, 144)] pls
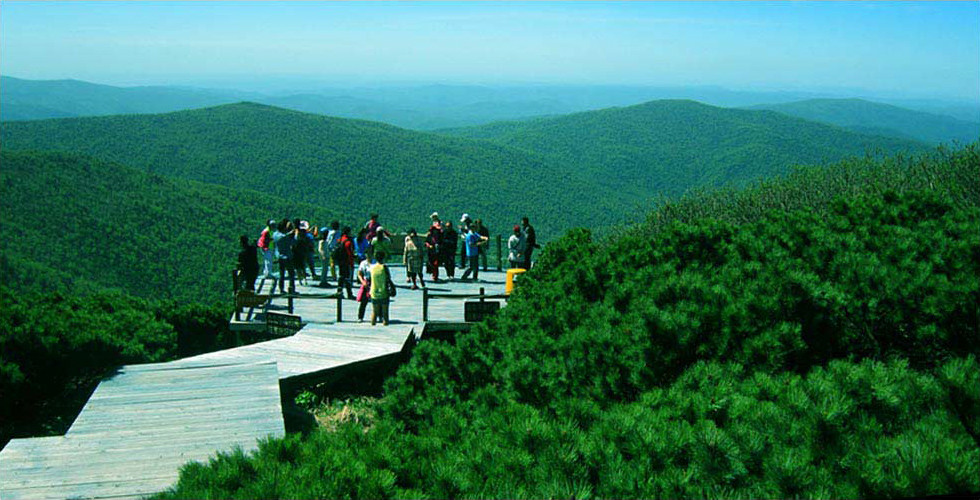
[(382, 289)]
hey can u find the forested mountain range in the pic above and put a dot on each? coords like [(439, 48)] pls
[(74, 223), (349, 166), (588, 169), (414, 106), (667, 147), (37, 99), (869, 117)]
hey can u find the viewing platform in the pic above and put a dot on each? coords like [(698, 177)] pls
[(145, 421)]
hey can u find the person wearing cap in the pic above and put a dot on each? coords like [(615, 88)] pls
[(515, 248), (265, 243), (447, 249), (412, 258)]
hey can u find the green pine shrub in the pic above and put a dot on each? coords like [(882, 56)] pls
[(810, 351)]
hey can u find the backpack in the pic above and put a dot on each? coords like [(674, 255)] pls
[(338, 255)]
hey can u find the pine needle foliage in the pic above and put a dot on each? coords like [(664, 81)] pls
[(827, 350)]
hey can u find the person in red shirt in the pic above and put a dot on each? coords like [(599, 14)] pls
[(268, 253), (345, 262)]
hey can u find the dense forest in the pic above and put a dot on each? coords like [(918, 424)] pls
[(108, 226), (869, 117), (668, 147), (823, 344), (352, 167)]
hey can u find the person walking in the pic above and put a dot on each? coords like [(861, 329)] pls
[(447, 249), (472, 243), (266, 244), (364, 294), (248, 264), (382, 290), (530, 242), (344, 255), (482, 231), (412, 258), (515, 248)]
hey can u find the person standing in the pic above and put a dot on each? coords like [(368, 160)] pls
[(364, 294), (284, 252), (381, 242), (482, 231), (382, 289), (515, 248), (472, 243), (433, 240), (372, 226), (248, 264), (344, 255), (330, 242), (361, 245), (530, 242), (310, 259), (412, 258), (447, 249), (464, 229), (266, 244), (302, 248)]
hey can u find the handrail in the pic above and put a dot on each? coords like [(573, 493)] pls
[(426, 295), (290, 296)]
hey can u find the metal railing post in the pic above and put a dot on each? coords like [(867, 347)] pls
[(234, 286), (425, 304), (481, 294), (340, 307), (292, 290)]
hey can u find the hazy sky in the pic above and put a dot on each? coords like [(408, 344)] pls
[(925, 49)]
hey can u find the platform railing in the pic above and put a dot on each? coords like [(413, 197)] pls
[(482, 296)]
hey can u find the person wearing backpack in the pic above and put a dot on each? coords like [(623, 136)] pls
[(344, 257), (382, 290)]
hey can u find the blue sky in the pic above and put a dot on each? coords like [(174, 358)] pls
[(914, 49)]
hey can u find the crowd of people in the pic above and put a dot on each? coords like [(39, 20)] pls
[(290, 247)]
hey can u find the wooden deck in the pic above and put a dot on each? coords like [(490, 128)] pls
[(143, 423)]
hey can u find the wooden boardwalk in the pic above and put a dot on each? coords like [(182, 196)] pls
[(144, 422)]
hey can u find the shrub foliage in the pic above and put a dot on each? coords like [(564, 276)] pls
[(828, 351)]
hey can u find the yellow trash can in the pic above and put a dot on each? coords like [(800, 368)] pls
[(511, 278)]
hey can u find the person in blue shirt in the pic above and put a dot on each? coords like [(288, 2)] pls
[(472, 242)]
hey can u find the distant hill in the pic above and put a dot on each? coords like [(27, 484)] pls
[(883, 119), (348, 166), (667, 147), (72, 221), (38, 99)]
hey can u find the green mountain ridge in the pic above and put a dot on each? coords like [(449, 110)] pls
[(667, 147), (883, 119), (351, 166)]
